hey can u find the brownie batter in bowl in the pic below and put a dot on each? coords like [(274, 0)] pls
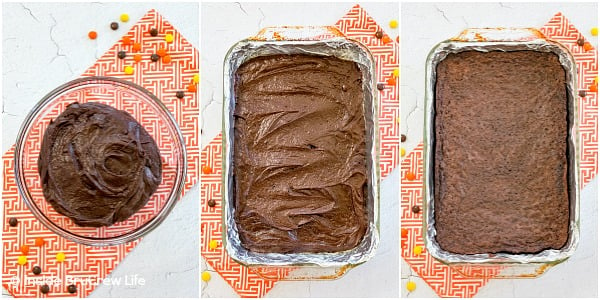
[(98, 165), (501, 153), (299, 154)]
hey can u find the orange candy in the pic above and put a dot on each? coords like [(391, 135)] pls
[(39, 242), (593, 88), (137, 47), (192, 88), (404, 232), (206, 170), (410, 176), (391, 81), (386, 39), (127, 40), (92, 35), (25, 249), (587, 46), (166, 59), (137, 57), (161, 52)]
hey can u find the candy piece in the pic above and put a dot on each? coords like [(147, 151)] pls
[(179, 94), (593, 88), (380, 86), (410, 176), (13, 222), (402, 152), (587, 46), (417, 250), (39, 242), (137, 57), (127, 40), (582, 93), (191, 88), (411, 286), (393, 24), (168, 38), (212, 245), (136, 47), (206, 170), (379, 34), (154, 57), (22, 259), (416, 209), (36, 270), (25, 249), (391, 81), (404, 232), (161, 52), (114, 25), (205, 276), (196, 78), (44, 289), (122, 54), (212, 203), (128, 70), (166, 59), (386, 39), (396, 73), (580, 41), (124, 17), (153, 32), (594, 31), (72, 289), (403, 138), (92, 35), (60, 256)]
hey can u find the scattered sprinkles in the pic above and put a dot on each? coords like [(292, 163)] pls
[(36, 270), (380, 86), (114, 25), (404, 232), (379, 34), (92, 35), (192, 88), (212, 245), (13, 222), (60, 256), (39, 242), (580, 41), (166, 59), (22, 259), (417, 250), (593, 88), (154, 57), (410, 176), (180, 94), (168, 38), (594, 31), (587, 46), (206, 170), (127, 40), (124, 17), (128, 70), (416, 209), (25, 249), (396, 73), (205, 276), (72, 289), (582, 93), (122, 54), (212, 203), (44, 289), (153, 32), (136, 47), (403, 138), (137, 57), (402, 152), (161, 52), (411, 286), (393, 24), (386, 39), (196, 78), (391, 81)]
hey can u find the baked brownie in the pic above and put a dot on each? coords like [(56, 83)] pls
[(299, 154), (501, 152)]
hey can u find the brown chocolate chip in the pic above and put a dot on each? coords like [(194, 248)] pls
[(154, 57), (153, 32), (580, 41), (379, 34), (122, 54), (403, 138), (582, 93), (13, 222), (212, 203), (180, 94), (114, 25), (416, 209), (72, 289), (344, 88), (44, 289), (381, 86), (36, 270)]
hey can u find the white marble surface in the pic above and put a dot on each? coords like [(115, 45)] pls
[(425, 25), (45, 45), (224, 24)]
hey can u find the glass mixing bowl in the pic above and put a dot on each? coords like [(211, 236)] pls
[(149, 111)]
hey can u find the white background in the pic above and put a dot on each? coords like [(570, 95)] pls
[(222, 26), (46, 45), (425, 25)]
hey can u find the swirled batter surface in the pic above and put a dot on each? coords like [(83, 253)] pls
[(98, 165), (299, 154)]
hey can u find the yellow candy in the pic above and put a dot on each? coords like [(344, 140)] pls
[(196, 78), (397, 119), (594, 31), (393, 24), (205, 276), (402, 152), (396, 73), (168, 37), (22, 260), (417, 250), (124, 17), (128, 70), (212, 245), (60, 256), (411, 286)]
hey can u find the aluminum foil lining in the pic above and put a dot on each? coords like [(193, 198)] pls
[(487, 40), (334, 46)]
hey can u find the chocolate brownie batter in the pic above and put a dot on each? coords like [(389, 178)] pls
[(501, 153), (98, 165), (299, 154)]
